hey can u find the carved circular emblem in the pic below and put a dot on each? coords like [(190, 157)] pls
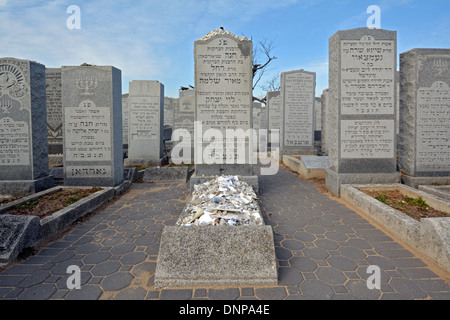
[(12, 81)]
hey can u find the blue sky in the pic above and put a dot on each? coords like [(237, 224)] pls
[(154, 40)]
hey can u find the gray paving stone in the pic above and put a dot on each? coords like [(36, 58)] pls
[(303, 264), (105, 268), (359, 289), (86, 292), (175, 294), (278, 293), (317, 290), (116, 281), (330, 275), (39, 292), (342, 263), (224, 294)]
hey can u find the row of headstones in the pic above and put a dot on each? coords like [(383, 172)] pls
[(375, 120), (359, 122)]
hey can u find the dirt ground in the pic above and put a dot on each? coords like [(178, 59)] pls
[(415, 208), (50, 203)]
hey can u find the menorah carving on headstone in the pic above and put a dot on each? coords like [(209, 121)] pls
[(88, 85), (440, 66), (5, 105)]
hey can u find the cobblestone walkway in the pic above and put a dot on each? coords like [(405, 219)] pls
[(323, 250)]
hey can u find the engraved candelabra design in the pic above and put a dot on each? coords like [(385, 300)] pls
[(5, 105), (88, 85), (440, 66)]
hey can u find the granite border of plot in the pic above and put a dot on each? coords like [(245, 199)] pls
[(430, 236)]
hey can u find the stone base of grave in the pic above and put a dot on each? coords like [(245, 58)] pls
[(334, 180), (216, 256), (21, 188), (250, 180), (307, 151), (166, 174), (145, 163), (415, 182)]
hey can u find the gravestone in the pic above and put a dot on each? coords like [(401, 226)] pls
[(424, 140), (317, 120), (92, 113), (256, 122), (184, 118), (169, 110), (262, 134), (223, 100), (54, 116), (145, 123), (297, 100), (125, 99), (274, 117), (24, 166), (361, 117), (324, 134)]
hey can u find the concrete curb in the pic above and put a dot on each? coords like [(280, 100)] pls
[(430, 236)]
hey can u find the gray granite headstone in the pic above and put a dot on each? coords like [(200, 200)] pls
[(223, 96), (184, 118), (92, 113), (145, 123), (317, 119), (54, 110), (362, 116), (125, 120), (424, 140), (274, 115), (297, 100), (169, 110), (24, 166), (324, 134)]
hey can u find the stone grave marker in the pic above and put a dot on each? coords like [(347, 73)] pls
[(317, 120), (424, 140), (54, 116), (324, 134), (297, 100), (361, 117), (125, 99), (145, 123), (184, 121), (274, 116), (223, 100), (24, 165), (92, 113), (169, 110)]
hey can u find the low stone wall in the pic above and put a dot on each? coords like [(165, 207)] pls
[(20, 232), (430, 236)]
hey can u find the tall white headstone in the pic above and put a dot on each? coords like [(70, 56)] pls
[(223, 99), (145, 123), (362, 116), (23, 128), (297, 100), (424, 139), (92, 113)]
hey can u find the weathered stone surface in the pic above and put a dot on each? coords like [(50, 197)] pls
[(16, 234), (92, 112), (297, 95), (191, 256), (424, 148), (54, 110), (145, 123), (23, 123), (361, 120), (166, 174), (226, 85)]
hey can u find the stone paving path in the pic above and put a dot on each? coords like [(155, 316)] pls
[(323, 250)]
